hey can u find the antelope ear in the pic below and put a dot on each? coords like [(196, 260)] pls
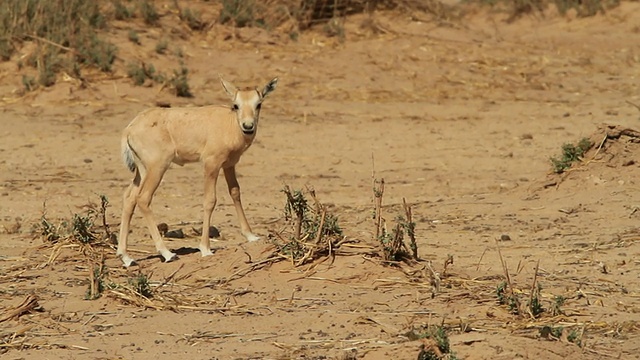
[(229, 88), (269, 87)]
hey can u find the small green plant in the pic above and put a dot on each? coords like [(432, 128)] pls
[(134, 37), (238, 12), (393, 246), (6, 49), (161, 46), (82, 228), (335, 27), (140, 285), (570, 153), (139, 73), (98, 53), (505, 298), (557, 332), (149, 12), (438, 348), (96, 281), (64, 32), (315, 232), (585, 8), (574, 337), (180, 82), (50, 232), (556, 306), (121, 11), (192, 19), (535, 306), (29, 83)]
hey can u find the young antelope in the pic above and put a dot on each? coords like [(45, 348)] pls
[(214, 135)]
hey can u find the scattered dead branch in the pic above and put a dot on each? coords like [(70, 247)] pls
[(310, 231), (27, 306)]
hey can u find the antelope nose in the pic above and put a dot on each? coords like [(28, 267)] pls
[(248, 127)]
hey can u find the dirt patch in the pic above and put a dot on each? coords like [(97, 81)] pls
[(460, 121)]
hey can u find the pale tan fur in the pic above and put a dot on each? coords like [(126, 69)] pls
[(216, 136)]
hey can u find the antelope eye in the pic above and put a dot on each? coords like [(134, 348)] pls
[(235, 107), (259, 106)]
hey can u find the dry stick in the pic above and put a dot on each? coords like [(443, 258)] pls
[(319, 234), (312, 192), (377, 193), (29, 304), (533, 288), (171, 276), (103, 207), (65, 48), (481, 256), (410, 229), (630, 103), (505, 269)]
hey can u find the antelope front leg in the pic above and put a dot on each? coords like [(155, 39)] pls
[(211, 172), (234, 191)]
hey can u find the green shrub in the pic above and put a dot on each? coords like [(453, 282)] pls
[(180, 82), (65, 33), (238, 12), (121, 12), (161, 46), (149, 12), (570, 154), (133, 37), (192, 19)]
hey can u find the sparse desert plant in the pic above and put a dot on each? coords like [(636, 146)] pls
[(535, 305), (436, 347), (81, 228), (238, 12), (556, 305), (97, 274), (190, 17), (179, 82), (557, 333), (140, 285), (585, 8), (29, 82), (311, 230), (121, 11), (335, 27), (505, 297), (134, 37), (141, 72), (570, 153), (50, 231), (161, 46), (65, 33), (6, 49), (392, 244), (149, 12)]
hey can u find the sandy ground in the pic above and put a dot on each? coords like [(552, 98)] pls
[(459, 119)]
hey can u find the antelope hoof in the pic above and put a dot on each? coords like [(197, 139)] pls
[(169, 256), (251, 237), (205, 251), (127, 260)]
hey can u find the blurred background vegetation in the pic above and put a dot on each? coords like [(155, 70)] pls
[(72, 35)]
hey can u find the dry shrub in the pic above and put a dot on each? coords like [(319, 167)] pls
[(65, 33), (309, 232), (303, 14)]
